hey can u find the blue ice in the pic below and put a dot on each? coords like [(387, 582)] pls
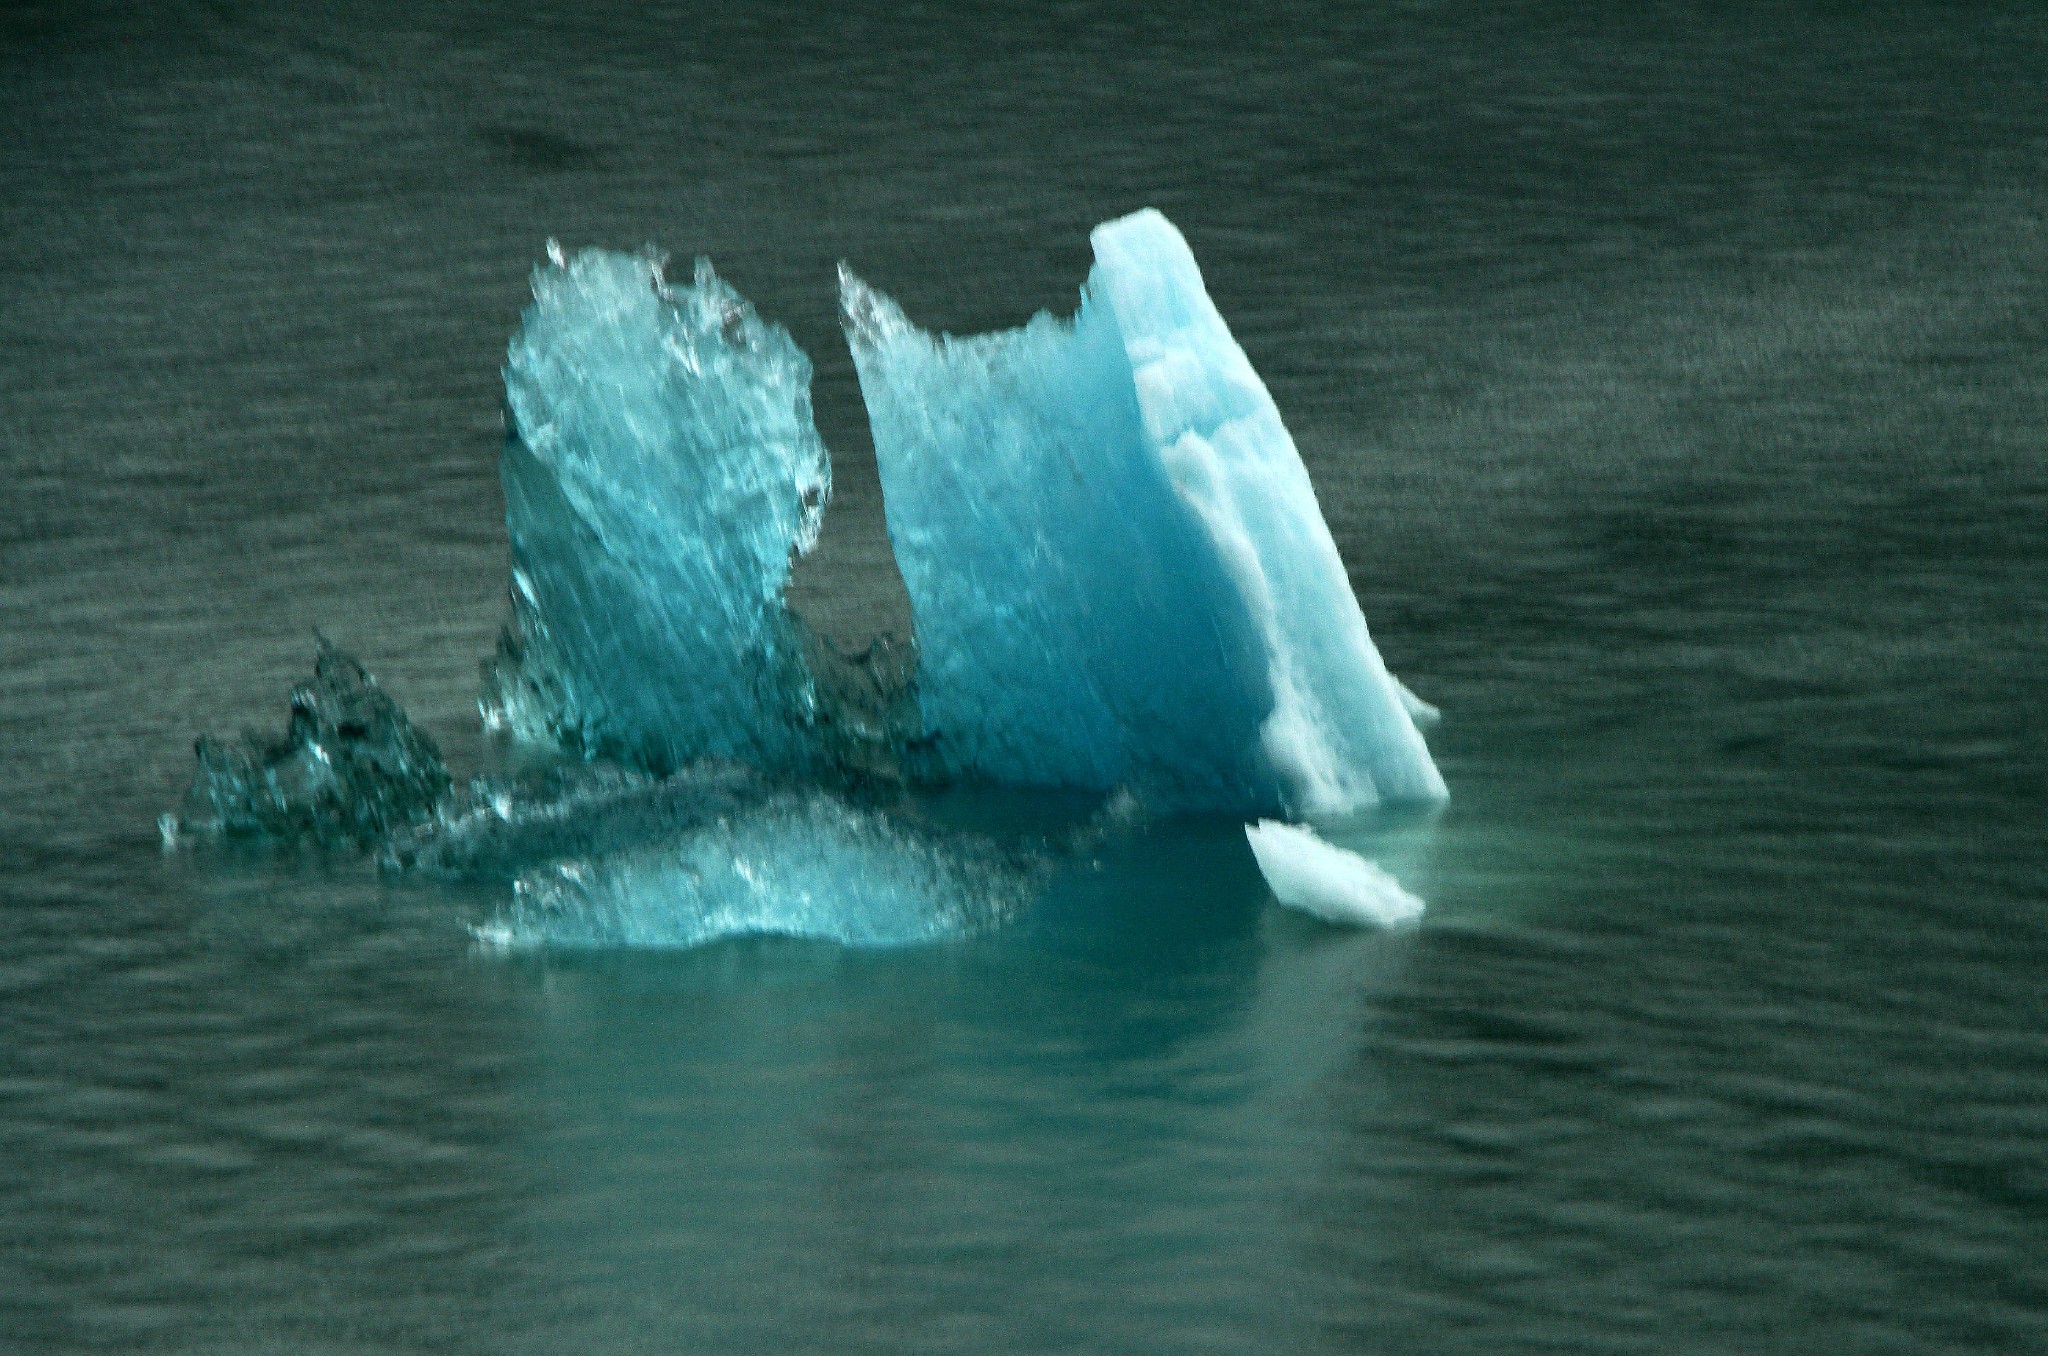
[(661, 470), (1117, 567), (1118, 571), (1119, 577)]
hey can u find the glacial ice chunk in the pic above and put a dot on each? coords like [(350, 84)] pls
[(349, 770), (1332, 883), (661, 471), (1117, 568), (800, 865)]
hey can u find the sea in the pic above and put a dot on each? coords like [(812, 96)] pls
[(1674, 379)]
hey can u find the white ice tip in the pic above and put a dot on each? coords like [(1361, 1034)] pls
[(1336, 885)]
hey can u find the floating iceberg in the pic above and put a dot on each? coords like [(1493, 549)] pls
[(1332, 883), (1119, 575), (1117, 568), (798, 866), (1118, 571), (661, 472)]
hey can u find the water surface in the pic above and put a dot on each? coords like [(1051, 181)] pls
[(1674, 380)]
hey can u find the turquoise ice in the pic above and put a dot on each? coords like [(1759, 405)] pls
[(1119, 576), (1117, 567), (799, 865), (1118, 572), (661, 470)]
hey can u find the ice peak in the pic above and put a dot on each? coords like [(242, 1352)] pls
[(870, 317)]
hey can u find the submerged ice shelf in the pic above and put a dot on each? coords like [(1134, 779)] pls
[(799, 865), (1119, 575), (599, 854)]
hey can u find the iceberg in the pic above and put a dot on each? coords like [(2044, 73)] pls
[(1118, 570), (799, 865), (1329, 882), (661, 472), (1120, 582)]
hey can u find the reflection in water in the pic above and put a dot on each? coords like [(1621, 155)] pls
[(1015, 1140)]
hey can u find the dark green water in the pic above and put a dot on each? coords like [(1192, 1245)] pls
[(1675, 379)]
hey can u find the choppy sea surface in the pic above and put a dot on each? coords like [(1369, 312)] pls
[(1675, 381)]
